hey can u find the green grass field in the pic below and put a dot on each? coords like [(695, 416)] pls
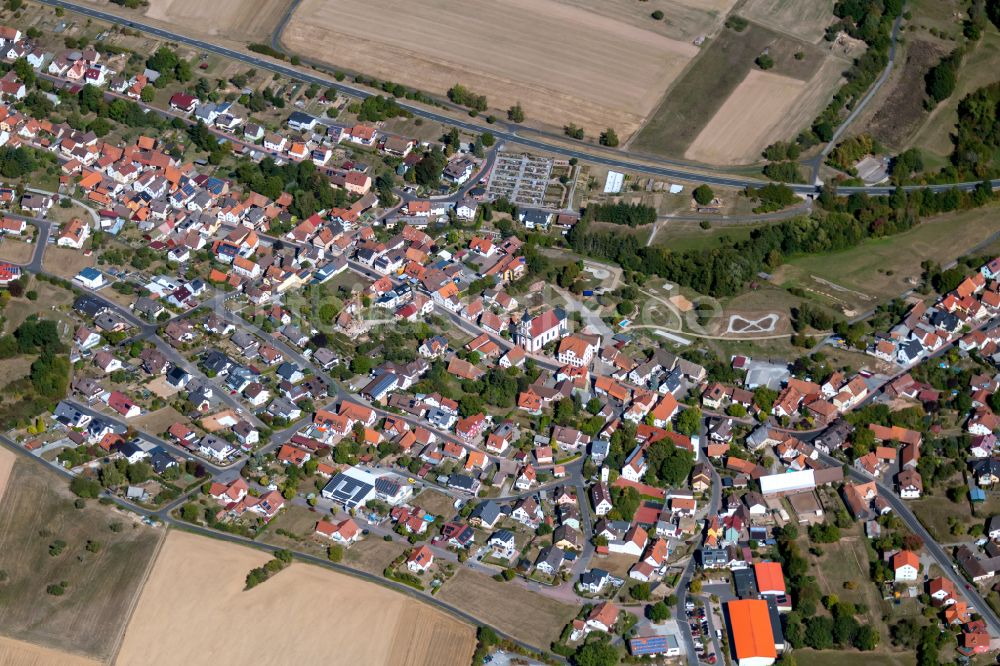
[(979, 68), (695, 97), (878, 270)]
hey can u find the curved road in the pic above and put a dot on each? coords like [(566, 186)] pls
[(654, 167)]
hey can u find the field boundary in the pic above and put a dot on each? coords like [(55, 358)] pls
[(116, 648)]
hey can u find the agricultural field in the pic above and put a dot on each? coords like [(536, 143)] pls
[(552, 57), (43, 540), (19, 653), (226, 18), (195, 595), (805, 19), (764, 108), (516, 611), (702, 92), (880, 270), (683, 19)]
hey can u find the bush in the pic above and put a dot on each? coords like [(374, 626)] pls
[(737, 23), (657, 15), (703, 194)]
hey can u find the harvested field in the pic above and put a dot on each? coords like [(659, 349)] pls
[(195, 597), (101, 587), (683, 19), (805, 19), (19, 653), (902, 111), (554, 58), (527, 616), (6, 465), (748, 120), (66, 262), (696, 97), (226, 18), (16, 251)]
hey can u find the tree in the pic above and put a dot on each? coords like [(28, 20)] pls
[(688, 421), (659, 612), (703, 194), (598, 653), (867, 638), (609, 138), (819, 633), (764, 61), (189, 512), (84, 487), (515, 114), (640, 591)]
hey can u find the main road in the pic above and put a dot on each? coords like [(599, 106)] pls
[(502, 131)]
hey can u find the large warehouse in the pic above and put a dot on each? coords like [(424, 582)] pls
[(751, 636)]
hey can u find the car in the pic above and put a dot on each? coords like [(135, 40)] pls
[(718, 634), (711, 659)]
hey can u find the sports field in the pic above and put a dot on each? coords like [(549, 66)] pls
[(194, 610), (563, 62)]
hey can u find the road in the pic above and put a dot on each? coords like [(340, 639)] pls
[(503, 132)]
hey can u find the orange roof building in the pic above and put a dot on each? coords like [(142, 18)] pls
[(770, 579), (753, 637)]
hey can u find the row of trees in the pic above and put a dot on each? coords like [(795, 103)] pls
[(632, 215)]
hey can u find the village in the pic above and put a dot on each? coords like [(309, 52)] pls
[(383, 370)]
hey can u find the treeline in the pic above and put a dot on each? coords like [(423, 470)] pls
[(632, 215), (258, 575), (867, 20), (724, 270), (849, 151), (462, 96), (377, 107), (978, 133)]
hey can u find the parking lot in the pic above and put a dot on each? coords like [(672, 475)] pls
[(698, 622)]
